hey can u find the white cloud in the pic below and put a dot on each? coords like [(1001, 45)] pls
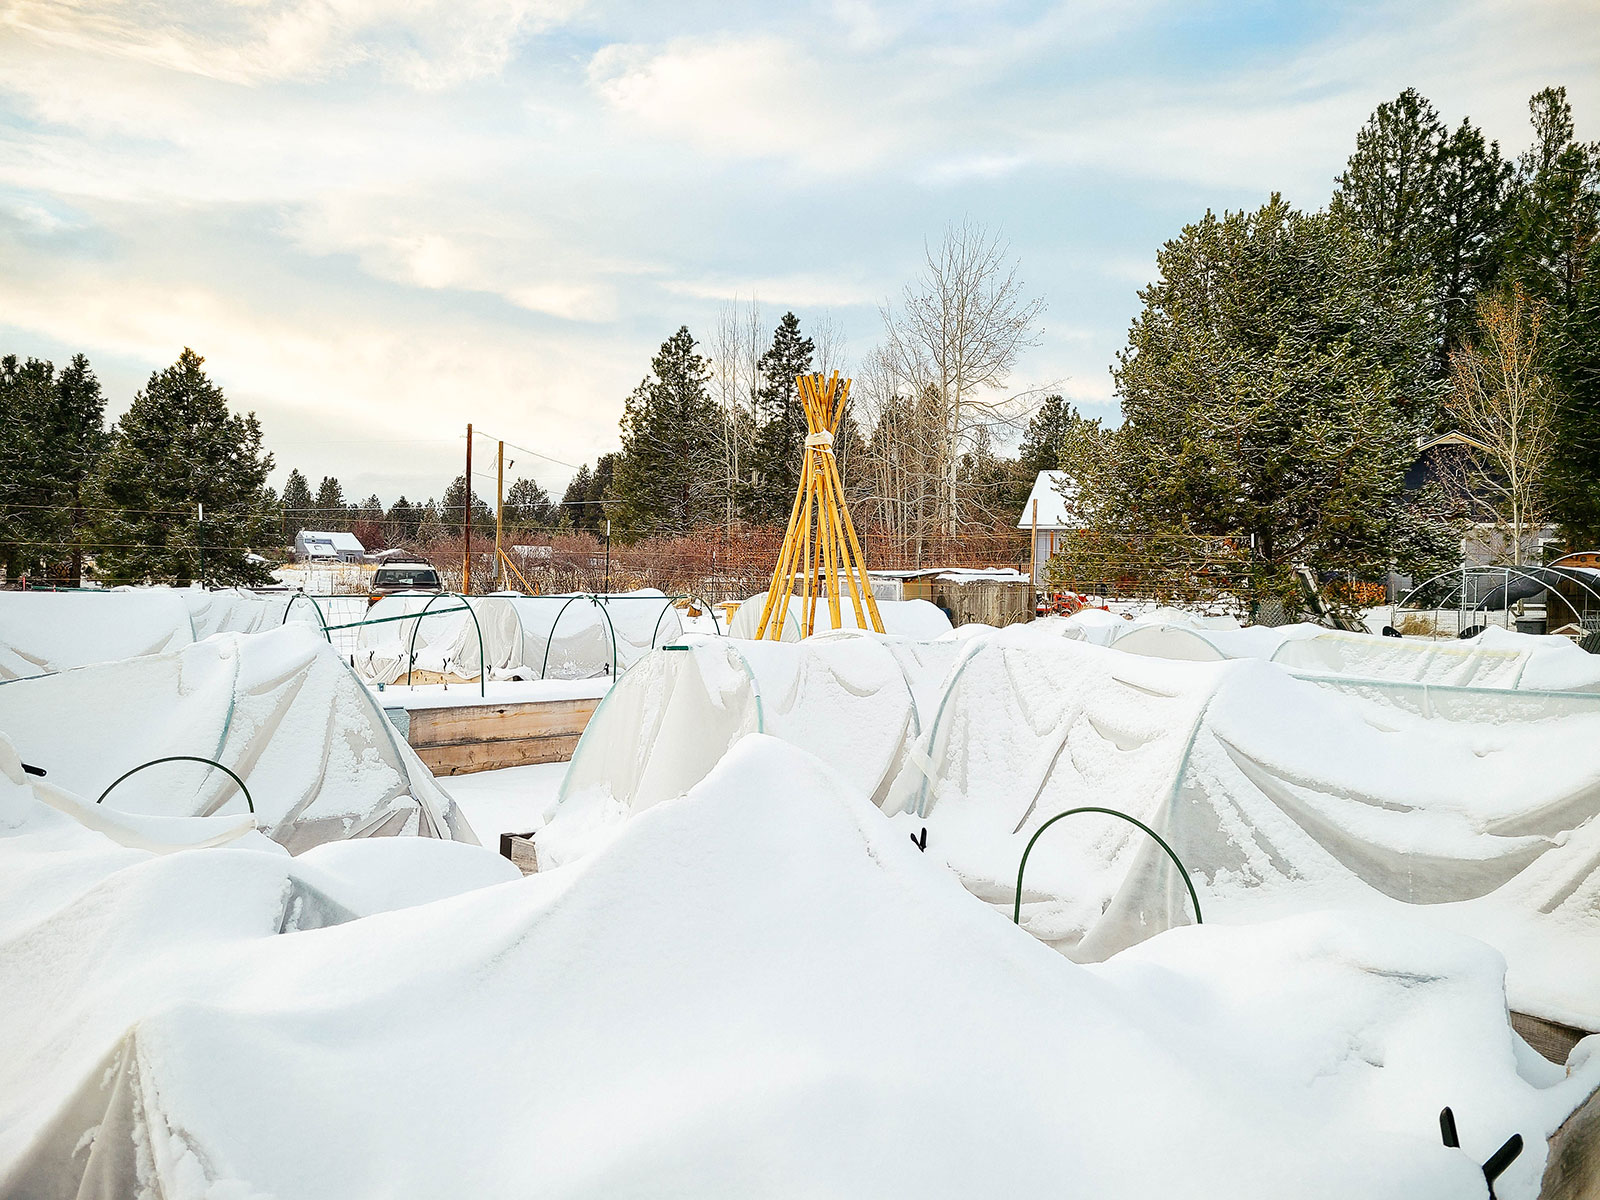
[(422, 43)]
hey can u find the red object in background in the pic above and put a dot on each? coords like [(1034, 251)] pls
[(1062, 604)]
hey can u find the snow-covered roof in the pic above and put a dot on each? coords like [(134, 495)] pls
[(338, 541), (1053, 512)]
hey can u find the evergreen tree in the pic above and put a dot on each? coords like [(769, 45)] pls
[(668, 447), (367, 523), (175, 449), (333, 514), (402, 522), (298, 506), (430, 524), (1387, 189), (781, 429), (1573, 484), (1556, 210), (1271, 388), (454, 504), (574, 506), (599, 492), (1467, 213), (528, 506), (50, 441)]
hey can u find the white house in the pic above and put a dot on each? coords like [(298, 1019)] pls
[(1048, 514), (328, 547)]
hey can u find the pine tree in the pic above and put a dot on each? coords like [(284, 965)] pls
[(298, 506), (1574, 482), (599, 491), (574, 505), (1271, 387), (430, 524), (367, 523), (1387, 188), (1556, 211), (175, 449), (528, 506), (50, 441), (333, 514), (668, 447), (1467, 215), (781, 429), (454, 504), (402, 521)]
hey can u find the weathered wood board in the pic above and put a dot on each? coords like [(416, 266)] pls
[(461, 739)]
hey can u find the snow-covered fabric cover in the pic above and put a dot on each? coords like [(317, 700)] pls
[(279, 708), (1495, 658), (903, 618), (762, 989), (443, 636), (1279, 794), (42, 632), (857, 700), (575, 636)]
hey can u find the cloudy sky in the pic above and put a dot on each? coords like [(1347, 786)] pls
[(380, 220)]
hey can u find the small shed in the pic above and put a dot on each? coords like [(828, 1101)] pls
[(1048, 514), (317, 546), (990, 595)]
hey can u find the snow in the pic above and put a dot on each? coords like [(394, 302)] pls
[(760, 988), (905, 618), (510, 800), (497, 691), (736, 973)]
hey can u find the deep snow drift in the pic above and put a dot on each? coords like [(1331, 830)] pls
[(759, 989), (856, 699), (319, 758)]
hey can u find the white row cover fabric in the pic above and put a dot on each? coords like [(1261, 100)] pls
[(279, 708), (904, 618), (41, 632), (444, 636), (564, 636), (857, 700), (692, 997), (1495, 658), (1279, 794)]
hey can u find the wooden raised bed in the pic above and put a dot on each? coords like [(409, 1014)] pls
[(461, 739)]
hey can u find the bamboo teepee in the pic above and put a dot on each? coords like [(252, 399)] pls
[(820, 547)]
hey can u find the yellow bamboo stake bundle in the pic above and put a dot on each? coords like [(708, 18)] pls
[(821, 538)]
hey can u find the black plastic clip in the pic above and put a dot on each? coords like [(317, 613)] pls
[(922, 842), (1498, 1161)]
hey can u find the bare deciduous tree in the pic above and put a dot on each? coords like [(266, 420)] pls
[(1503, 401), (735, 378), (959, 330)]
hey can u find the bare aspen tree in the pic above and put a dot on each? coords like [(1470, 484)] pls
[(735, 357), (1503, 401), (959, 331)]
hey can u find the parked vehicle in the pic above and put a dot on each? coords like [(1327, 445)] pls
[(417, 576)]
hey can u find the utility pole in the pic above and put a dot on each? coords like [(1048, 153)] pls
[(466, 523), (499, 504), (608, 556), (1034, 547)]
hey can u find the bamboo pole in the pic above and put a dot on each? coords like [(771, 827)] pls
[(784, 569)]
